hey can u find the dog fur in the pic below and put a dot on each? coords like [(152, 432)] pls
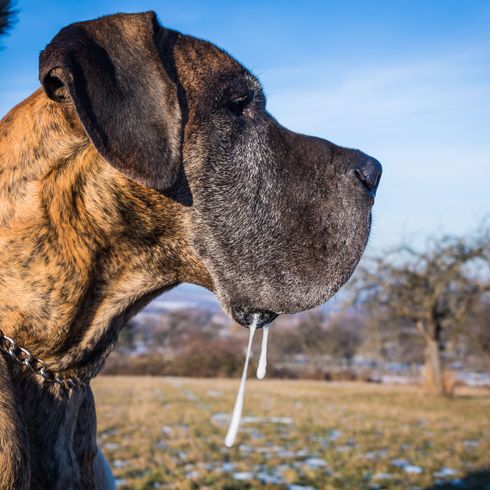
[(147, 159)]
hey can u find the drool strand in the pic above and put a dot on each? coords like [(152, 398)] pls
[(237, 410), (261, 369)]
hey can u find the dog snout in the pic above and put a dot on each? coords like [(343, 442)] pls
[(369, 173)]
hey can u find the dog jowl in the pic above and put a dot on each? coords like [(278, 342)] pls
[(148, 159)]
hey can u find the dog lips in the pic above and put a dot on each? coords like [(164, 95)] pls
[(237, 409)]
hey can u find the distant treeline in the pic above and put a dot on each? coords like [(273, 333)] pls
[(346, 345)]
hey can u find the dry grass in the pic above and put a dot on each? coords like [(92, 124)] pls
[(168, 433)]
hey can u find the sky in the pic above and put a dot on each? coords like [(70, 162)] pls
[(406, 81)]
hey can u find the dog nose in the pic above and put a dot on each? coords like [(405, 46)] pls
[(369, 173)]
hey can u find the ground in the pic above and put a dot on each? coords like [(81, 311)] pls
[(169, 433)]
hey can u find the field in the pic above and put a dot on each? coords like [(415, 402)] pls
[(169, 432)]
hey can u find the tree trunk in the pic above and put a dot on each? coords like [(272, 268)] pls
[(433, 366)]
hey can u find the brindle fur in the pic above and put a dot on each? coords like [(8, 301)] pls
[(81, 244), (88, 238)]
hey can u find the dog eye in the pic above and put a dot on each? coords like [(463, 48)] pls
[(238, 104)]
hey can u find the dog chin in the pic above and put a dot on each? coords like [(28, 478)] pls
[(245, 317)]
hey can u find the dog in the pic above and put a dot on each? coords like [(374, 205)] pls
[(148, 159)]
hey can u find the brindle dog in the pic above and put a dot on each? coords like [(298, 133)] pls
[(147, 159)]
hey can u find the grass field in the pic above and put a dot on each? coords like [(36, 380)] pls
[(169, 432)]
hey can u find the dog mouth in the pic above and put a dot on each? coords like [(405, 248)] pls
[(246, 317)]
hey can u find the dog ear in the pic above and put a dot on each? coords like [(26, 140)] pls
[(14, 442), (111, 71)]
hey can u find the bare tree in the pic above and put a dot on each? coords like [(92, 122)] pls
[(6, 15), (310, 338), (477, 336), (433, 289), (343, 337), (324, 337)]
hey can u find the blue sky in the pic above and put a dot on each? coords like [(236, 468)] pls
[(406, 81)]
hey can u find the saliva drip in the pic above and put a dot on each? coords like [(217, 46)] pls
[(237, 409), (261, 369), (263, 353)]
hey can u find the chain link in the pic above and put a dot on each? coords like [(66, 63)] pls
[(25, 358)]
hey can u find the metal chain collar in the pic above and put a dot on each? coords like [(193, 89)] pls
[(25, 358)]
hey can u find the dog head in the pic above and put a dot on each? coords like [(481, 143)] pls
[(279, 219)]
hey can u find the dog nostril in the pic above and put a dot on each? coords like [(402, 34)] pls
[(369, 173)]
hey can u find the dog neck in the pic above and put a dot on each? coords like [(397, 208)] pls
[(82, 248)]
